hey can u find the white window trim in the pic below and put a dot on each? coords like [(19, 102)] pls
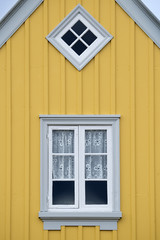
[(54, 37), (54, 219)]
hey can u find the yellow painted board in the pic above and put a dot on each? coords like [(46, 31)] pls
[(142, 136), (2, 141), (17, 124)]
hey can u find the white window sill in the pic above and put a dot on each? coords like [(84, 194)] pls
[(53, 220)]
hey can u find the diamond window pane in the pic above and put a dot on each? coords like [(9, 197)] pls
[(79, 47), (79, 27), (96, 167), (96, 141), (69, 37), (62, 167), (89, 37), (63, 193), (63, 141), (96, 192)]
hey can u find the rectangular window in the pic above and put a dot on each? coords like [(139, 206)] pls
[(80, 180), (63, 167), (80, 154)]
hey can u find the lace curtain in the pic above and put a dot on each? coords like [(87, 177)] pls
[(63, 142), (63, 167), (96, 165)]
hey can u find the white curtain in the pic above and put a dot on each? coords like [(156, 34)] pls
[(63, 167), (62, 142), (96, 165)]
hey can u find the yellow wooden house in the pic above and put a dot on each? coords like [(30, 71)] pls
[(79, 115)]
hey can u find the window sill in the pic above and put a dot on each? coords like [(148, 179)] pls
[(54, 220)]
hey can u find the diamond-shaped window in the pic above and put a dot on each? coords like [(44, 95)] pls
[(79, 37)]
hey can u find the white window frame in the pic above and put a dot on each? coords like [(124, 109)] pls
[(108, 206), (105, 216), (79, 13), (75, 129)]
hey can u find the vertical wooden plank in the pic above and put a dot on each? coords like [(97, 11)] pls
[(79, 92), (106, 235), (88, 73), (63, 68), (36, 108), (151, 139), (18, 132), (89, 233), (97, 233), (8, 142), (113, 58), (63, 233), (3, 141), (133, 126), (105, 61), (46, 92), (142, 136), (26, 133), (71, 233), (80, 233), (96, 66), (71, 74), (122, 91), (79, 2), (46, 74), (54, 235), (54, 60), (115, 235), (157, 137)]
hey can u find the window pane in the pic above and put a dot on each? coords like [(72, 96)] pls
[(63, 167), (79, 47), (96, 192), (89, 37), (63, 141), (96, 141), (63, 193), (69, 37), (79, 27), (96, 167)]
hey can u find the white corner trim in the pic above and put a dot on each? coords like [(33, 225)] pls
[(143, 18), (16, 17)]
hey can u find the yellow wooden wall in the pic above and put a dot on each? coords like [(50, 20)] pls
[(124, 78)]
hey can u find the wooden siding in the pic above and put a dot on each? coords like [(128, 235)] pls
[(124, 78)]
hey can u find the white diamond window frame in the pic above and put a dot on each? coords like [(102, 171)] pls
[(79, 13)]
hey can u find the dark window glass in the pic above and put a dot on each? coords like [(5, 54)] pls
[(63, 193), (89, 37), (79, 47), (79, 27), (69, 37), (96, 192)]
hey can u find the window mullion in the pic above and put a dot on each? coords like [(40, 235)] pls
[(81, 167)]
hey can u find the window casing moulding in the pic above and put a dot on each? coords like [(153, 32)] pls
[(56, 37), (55, 218), (16, 17)]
